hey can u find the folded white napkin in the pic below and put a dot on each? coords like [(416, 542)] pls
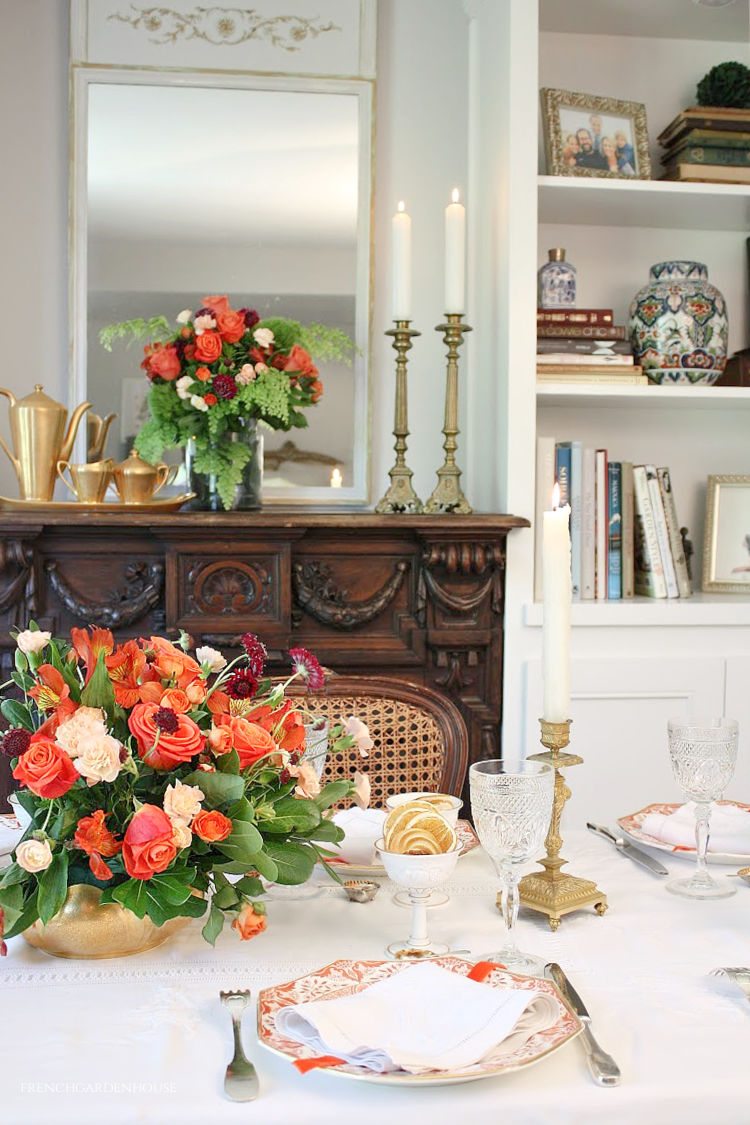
[(422, 1018), (362, 827), (11, 832), (729, 828)]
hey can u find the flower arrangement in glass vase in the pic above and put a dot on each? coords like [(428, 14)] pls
[(219, 373), (154, 776)]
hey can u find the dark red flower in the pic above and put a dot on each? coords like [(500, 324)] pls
[(15, 742), (307, 667), (251, 317), (256, 653), (225, 387), (242, 684), (166, 719)]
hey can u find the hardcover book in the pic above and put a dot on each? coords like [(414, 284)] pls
[(628, 531), (581, 331), (613, 378), (588, 524), (723, 137), (673, 528), (562, 471), (574, 316), (601, 523), (649, 573), (596, 367), (571, 345), (708, 154), (614, 530), (582, 359), (706, 117), (707, 173), (576, 500), (662, 535)]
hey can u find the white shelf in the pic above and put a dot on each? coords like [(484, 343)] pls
[(678, 397), (643, 203), (670, 19), (701, 610)]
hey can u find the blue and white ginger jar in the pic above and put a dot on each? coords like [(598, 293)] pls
[(678, 325)]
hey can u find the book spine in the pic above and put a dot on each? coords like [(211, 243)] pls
[(581, 331), (572, 346), (710, 173), (562, 471), (601, 524), (626, 379), (576, 499), (581, 359), (717, 137), (649, 573), (673, 530), (588, 524), (545, 481), (598, 317), (595, 368), (662, 535), (628, 529), (614, 530), (709, 154)]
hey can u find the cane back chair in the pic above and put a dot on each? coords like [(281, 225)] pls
[(421, 741)]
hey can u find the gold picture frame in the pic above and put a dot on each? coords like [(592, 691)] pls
[(568, 116), (726, 540)]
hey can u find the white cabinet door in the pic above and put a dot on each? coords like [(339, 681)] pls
[(738, 707), (620, 709)]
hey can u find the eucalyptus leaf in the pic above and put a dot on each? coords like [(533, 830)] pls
[(294, 862), (243, 844), (334, 791), (265, 866), (17, 714), (217, 788), (214, 925), (293, 814), (28, 916)]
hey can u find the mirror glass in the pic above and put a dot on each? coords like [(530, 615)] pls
[(259, 193)]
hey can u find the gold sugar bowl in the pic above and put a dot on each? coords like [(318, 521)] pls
[(137, 482)]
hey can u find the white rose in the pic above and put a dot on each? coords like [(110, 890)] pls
[(34, 855), (263, 337), (32, 640), (182, 837), (86, 722), (182, 802), (99, 758), (212, 657), (199, 403), (203, 324), (184, 316), (182, 385)]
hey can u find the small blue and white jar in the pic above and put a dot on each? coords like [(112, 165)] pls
[(556, 282), (678, 325)]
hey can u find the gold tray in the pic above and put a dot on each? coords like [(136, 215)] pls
[(161, 504)]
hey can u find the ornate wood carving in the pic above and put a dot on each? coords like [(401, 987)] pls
[(18, 589), (462, 559), (124, 606), (317, 594), (228, 586)]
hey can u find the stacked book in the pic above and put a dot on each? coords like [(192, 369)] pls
[(583, 346), (624, 531), (707, 145)]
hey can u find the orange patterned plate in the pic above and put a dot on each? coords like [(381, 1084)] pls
[(344, 978), (466, 835), (631, 826)]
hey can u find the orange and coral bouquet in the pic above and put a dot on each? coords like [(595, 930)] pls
[(153, 774)]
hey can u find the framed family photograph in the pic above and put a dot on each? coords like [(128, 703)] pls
[(726, 545), (585, 135)]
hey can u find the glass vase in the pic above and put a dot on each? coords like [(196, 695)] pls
[(247, 492)]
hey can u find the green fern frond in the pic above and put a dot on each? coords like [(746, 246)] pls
[(156, 328)]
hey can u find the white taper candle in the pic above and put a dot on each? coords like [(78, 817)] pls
[(558, 598), (401, 264), (455, 255)]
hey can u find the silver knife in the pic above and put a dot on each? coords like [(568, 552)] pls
[(603, 1067), (629, 850)]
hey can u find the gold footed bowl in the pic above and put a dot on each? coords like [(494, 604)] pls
[(85, 928)]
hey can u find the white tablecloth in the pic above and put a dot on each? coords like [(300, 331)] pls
[(145, 1039)]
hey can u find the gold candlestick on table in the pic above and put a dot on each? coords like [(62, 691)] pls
[(448, 496), (550, 891), (400, 496)]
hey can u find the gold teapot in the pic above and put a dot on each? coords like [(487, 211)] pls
[(40, 440), (137, 482)]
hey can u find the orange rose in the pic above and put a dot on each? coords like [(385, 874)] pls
[(148, 847), (217, 305), (211, 826), (165, 362), (248, 923), (300, 362), (208, 347), (231, 325), (46, 769), (174, 746), (250, 740), (176, 699), (316, 391), (203, 374), (210, 399)]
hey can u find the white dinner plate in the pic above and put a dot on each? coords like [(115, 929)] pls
[(345, 977), (631, 826), (464, 831)]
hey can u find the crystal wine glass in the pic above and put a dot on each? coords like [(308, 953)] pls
[(512, 808), (703, 752)]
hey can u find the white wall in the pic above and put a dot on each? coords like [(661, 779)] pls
[(420, 155)]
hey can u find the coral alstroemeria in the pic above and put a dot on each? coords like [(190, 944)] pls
[(87, 648), (125, 667), (50, 689), (93, 837)]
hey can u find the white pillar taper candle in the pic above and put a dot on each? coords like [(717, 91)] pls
[(455, 255), (558, 597), (401, 227)]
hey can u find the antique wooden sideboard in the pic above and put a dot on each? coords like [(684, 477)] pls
[(419, 597)]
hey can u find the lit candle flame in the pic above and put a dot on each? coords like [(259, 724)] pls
[(454, 195), (336, 479), (556, 496), (401, 205)]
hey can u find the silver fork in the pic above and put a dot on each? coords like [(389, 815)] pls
[(739, 976), (241, 1078)]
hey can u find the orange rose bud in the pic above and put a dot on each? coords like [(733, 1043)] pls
[(148, 847), (248, 923), (203, 374), (210, 399), (212, 827), (46, 769)]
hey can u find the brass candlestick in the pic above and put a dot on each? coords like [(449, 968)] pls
[(448, 496), (400, 496), (550, 891)]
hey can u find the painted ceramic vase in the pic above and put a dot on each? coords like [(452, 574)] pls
[(556, 282), (678, 325)]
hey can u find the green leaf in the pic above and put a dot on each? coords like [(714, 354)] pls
[(11, 904), (294, 862), (53, 886), (234, 868), (28, 801), (293, 814), (243, 844), (20, 661), (332, 792), (328, 832), (214, 925), (217, 788), (28, 916), (228, 763), (265, 866), (249, 885), (99, 691), (11, 876), (16, 714), (65, 668), (225, 897), (162, 896)]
